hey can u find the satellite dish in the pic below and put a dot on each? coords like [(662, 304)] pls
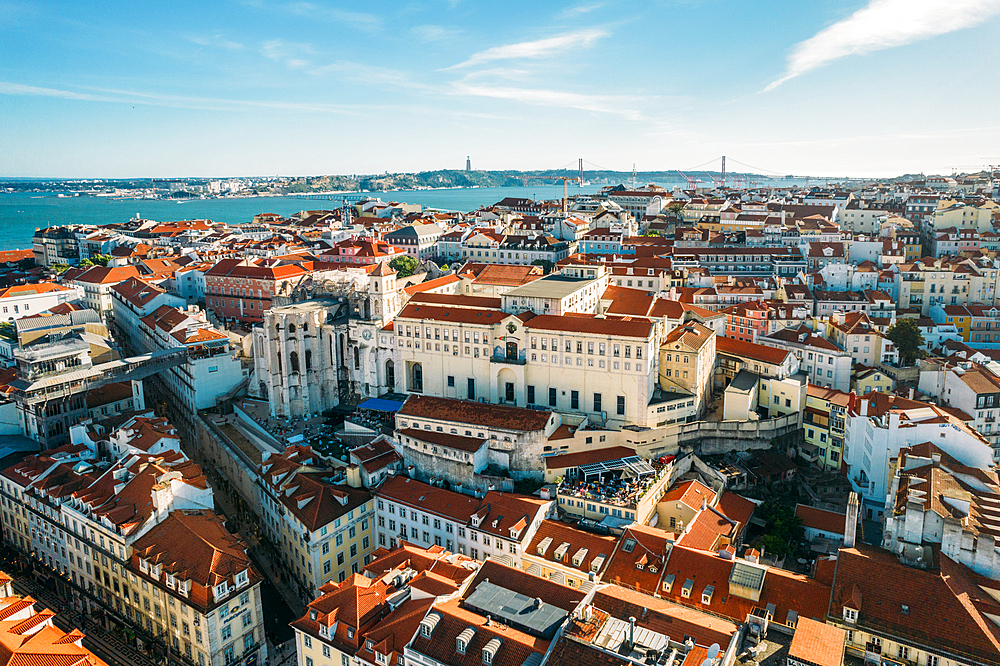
[(707, 662), (714, 650)]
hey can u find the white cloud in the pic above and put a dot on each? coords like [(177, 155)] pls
[(288, 53), (215, 40), (570, 12), (133, 97), (360, 20), (885, 24), (536, 49), (434, 33), (558, 98)]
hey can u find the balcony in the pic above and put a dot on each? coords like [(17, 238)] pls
[(509, 361)]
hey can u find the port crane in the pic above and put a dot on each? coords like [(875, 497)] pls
[(692, 183)]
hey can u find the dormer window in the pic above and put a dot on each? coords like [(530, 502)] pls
[(490, 651), (850, 615), (428, 623), (242, 578), (463, 639), (313, 615), (221, 590)]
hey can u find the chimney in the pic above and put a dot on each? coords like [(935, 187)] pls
[(704, 504), (631, 631), (851, 522)]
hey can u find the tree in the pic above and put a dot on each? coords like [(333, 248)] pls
[(783, 528), (96, 260), (546, 265), (906, 335), (676, 208), (404, 266)]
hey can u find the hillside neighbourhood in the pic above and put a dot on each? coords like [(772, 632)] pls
[(707, 427)]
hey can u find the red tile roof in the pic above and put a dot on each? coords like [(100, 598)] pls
[(821, 519), (195, 546), (664, 617), (566, 460), (750, 350), (471, 413), (946, 609), (818, 643), (559, 533)]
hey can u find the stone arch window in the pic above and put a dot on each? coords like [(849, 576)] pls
[(390, 374), (293, 361), (309, 358), (305, 327), (417, 378), (357, 359), (291, 329)]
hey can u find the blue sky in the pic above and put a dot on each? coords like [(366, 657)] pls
[(821, 87)]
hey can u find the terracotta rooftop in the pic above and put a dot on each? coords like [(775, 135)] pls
[(472, 414)]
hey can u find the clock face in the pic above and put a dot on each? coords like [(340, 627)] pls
[(366, 334), (511, 327)]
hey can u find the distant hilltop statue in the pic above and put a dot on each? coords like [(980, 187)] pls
[(468, 163)]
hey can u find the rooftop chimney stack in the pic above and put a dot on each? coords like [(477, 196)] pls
[(851, 522)]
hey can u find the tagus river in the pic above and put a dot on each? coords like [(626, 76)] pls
[(22, 213)]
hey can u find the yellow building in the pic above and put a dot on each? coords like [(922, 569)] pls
[(191, 582), (824, 420), (872, 379), (322, 530)]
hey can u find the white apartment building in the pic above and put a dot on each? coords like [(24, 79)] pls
[(496, 525), (602, 367), (879, 425), (968, 386), (29, 299), (151, 324), (824, 363)]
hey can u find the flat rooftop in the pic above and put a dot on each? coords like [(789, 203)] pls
[(551, 286)]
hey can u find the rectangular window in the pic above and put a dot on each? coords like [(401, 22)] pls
[(471, 389), (451, 381), (552, 397), (531, 395), (574, 400), (621, 405), (597, 402)]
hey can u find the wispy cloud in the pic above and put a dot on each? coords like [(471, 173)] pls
[(132, 97), (536, 49), (885, 24), (558, 98), (360, 20), (288, 53), (380, 77), (434, 33), (218, 41), (570, 12)]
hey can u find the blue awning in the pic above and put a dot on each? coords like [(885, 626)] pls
[(381, 405)]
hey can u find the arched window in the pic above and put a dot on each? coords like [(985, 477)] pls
[(309, 357), (305, 327), (291, 329), (390, 374), (416, 378), (293, 361), (357, 359)]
